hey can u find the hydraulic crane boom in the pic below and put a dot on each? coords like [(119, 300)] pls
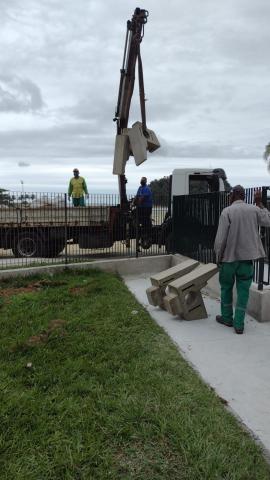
[(138, 139)]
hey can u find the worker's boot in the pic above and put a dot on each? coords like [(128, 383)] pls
[(221, 320), (239, 330)]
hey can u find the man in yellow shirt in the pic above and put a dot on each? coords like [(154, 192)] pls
[(77, 188)]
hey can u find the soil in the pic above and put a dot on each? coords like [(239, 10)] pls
[(32, 287), (54, 325)]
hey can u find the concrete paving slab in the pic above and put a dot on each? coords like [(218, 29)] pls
[(236, 366)]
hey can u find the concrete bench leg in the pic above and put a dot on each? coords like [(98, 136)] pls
[(155, 296), (189, 304), (160, 281), (184, 296)]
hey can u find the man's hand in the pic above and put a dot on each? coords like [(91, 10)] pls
[(87, 195), (258, 198)]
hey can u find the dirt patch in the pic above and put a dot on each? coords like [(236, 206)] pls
[(54, 325), (78, 290), (49, 283), (86, 289), (37, 339), (9, 292), (32, 287)]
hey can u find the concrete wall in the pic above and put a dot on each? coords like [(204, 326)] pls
[(259, 300), (125, 266)]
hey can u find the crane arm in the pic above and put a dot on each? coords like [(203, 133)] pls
[(134, 36), (137, 139)]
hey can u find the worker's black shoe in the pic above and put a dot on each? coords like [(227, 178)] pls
[(239, 330), (221, 320)]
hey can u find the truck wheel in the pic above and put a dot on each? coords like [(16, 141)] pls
[(146, 242), (27, 245)]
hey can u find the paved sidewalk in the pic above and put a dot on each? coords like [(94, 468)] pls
[(236, 366)]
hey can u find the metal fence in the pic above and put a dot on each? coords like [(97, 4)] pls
[(195, 223), (45, 228)]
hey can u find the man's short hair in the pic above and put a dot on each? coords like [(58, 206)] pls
[(238, 189), (75, 170)]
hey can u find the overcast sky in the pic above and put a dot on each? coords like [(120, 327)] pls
[(206, 73)]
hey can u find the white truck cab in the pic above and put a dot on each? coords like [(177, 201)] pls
[(187, 181)]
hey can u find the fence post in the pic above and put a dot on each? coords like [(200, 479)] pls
[(66, 260), (173, 215), (261, 274), (137, 233), (261, 260)]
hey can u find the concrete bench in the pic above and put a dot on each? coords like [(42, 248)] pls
[(160, 281), (184, 296)]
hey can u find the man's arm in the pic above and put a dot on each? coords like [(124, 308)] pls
[(263, 217), (263, 213), (137, 198), (84, 187), (70, 188), (221, 236)]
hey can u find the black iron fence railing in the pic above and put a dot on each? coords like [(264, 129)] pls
[(195, 223), (44, 228)]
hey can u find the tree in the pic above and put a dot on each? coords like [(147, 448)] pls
[(5, 198), (160, 190), (221, 173), (266, 155)]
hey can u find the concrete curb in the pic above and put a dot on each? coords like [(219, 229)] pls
[(122, 266)]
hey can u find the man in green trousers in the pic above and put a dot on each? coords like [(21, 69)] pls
[(237, 244)]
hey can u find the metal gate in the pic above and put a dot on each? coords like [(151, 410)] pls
[(195, 223)]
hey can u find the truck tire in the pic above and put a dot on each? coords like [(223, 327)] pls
[(27, 244), (146, 242)]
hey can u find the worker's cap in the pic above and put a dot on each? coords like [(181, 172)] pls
[(238, 189), (76, 170)]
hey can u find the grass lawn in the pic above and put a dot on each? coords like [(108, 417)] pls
[(92, 388)]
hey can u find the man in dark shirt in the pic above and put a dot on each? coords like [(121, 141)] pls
[(144, 204)]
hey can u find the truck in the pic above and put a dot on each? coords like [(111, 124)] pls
[(33, 230), (36, 230)]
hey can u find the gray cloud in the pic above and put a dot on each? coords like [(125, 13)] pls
[(23, 164), (68, 140), (206, 81), (19, 95)]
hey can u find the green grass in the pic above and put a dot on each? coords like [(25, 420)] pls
[(104, 394)]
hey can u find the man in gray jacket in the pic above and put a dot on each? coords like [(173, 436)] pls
[(237, 244)]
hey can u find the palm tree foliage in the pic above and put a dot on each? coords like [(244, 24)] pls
[(266, 155)]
